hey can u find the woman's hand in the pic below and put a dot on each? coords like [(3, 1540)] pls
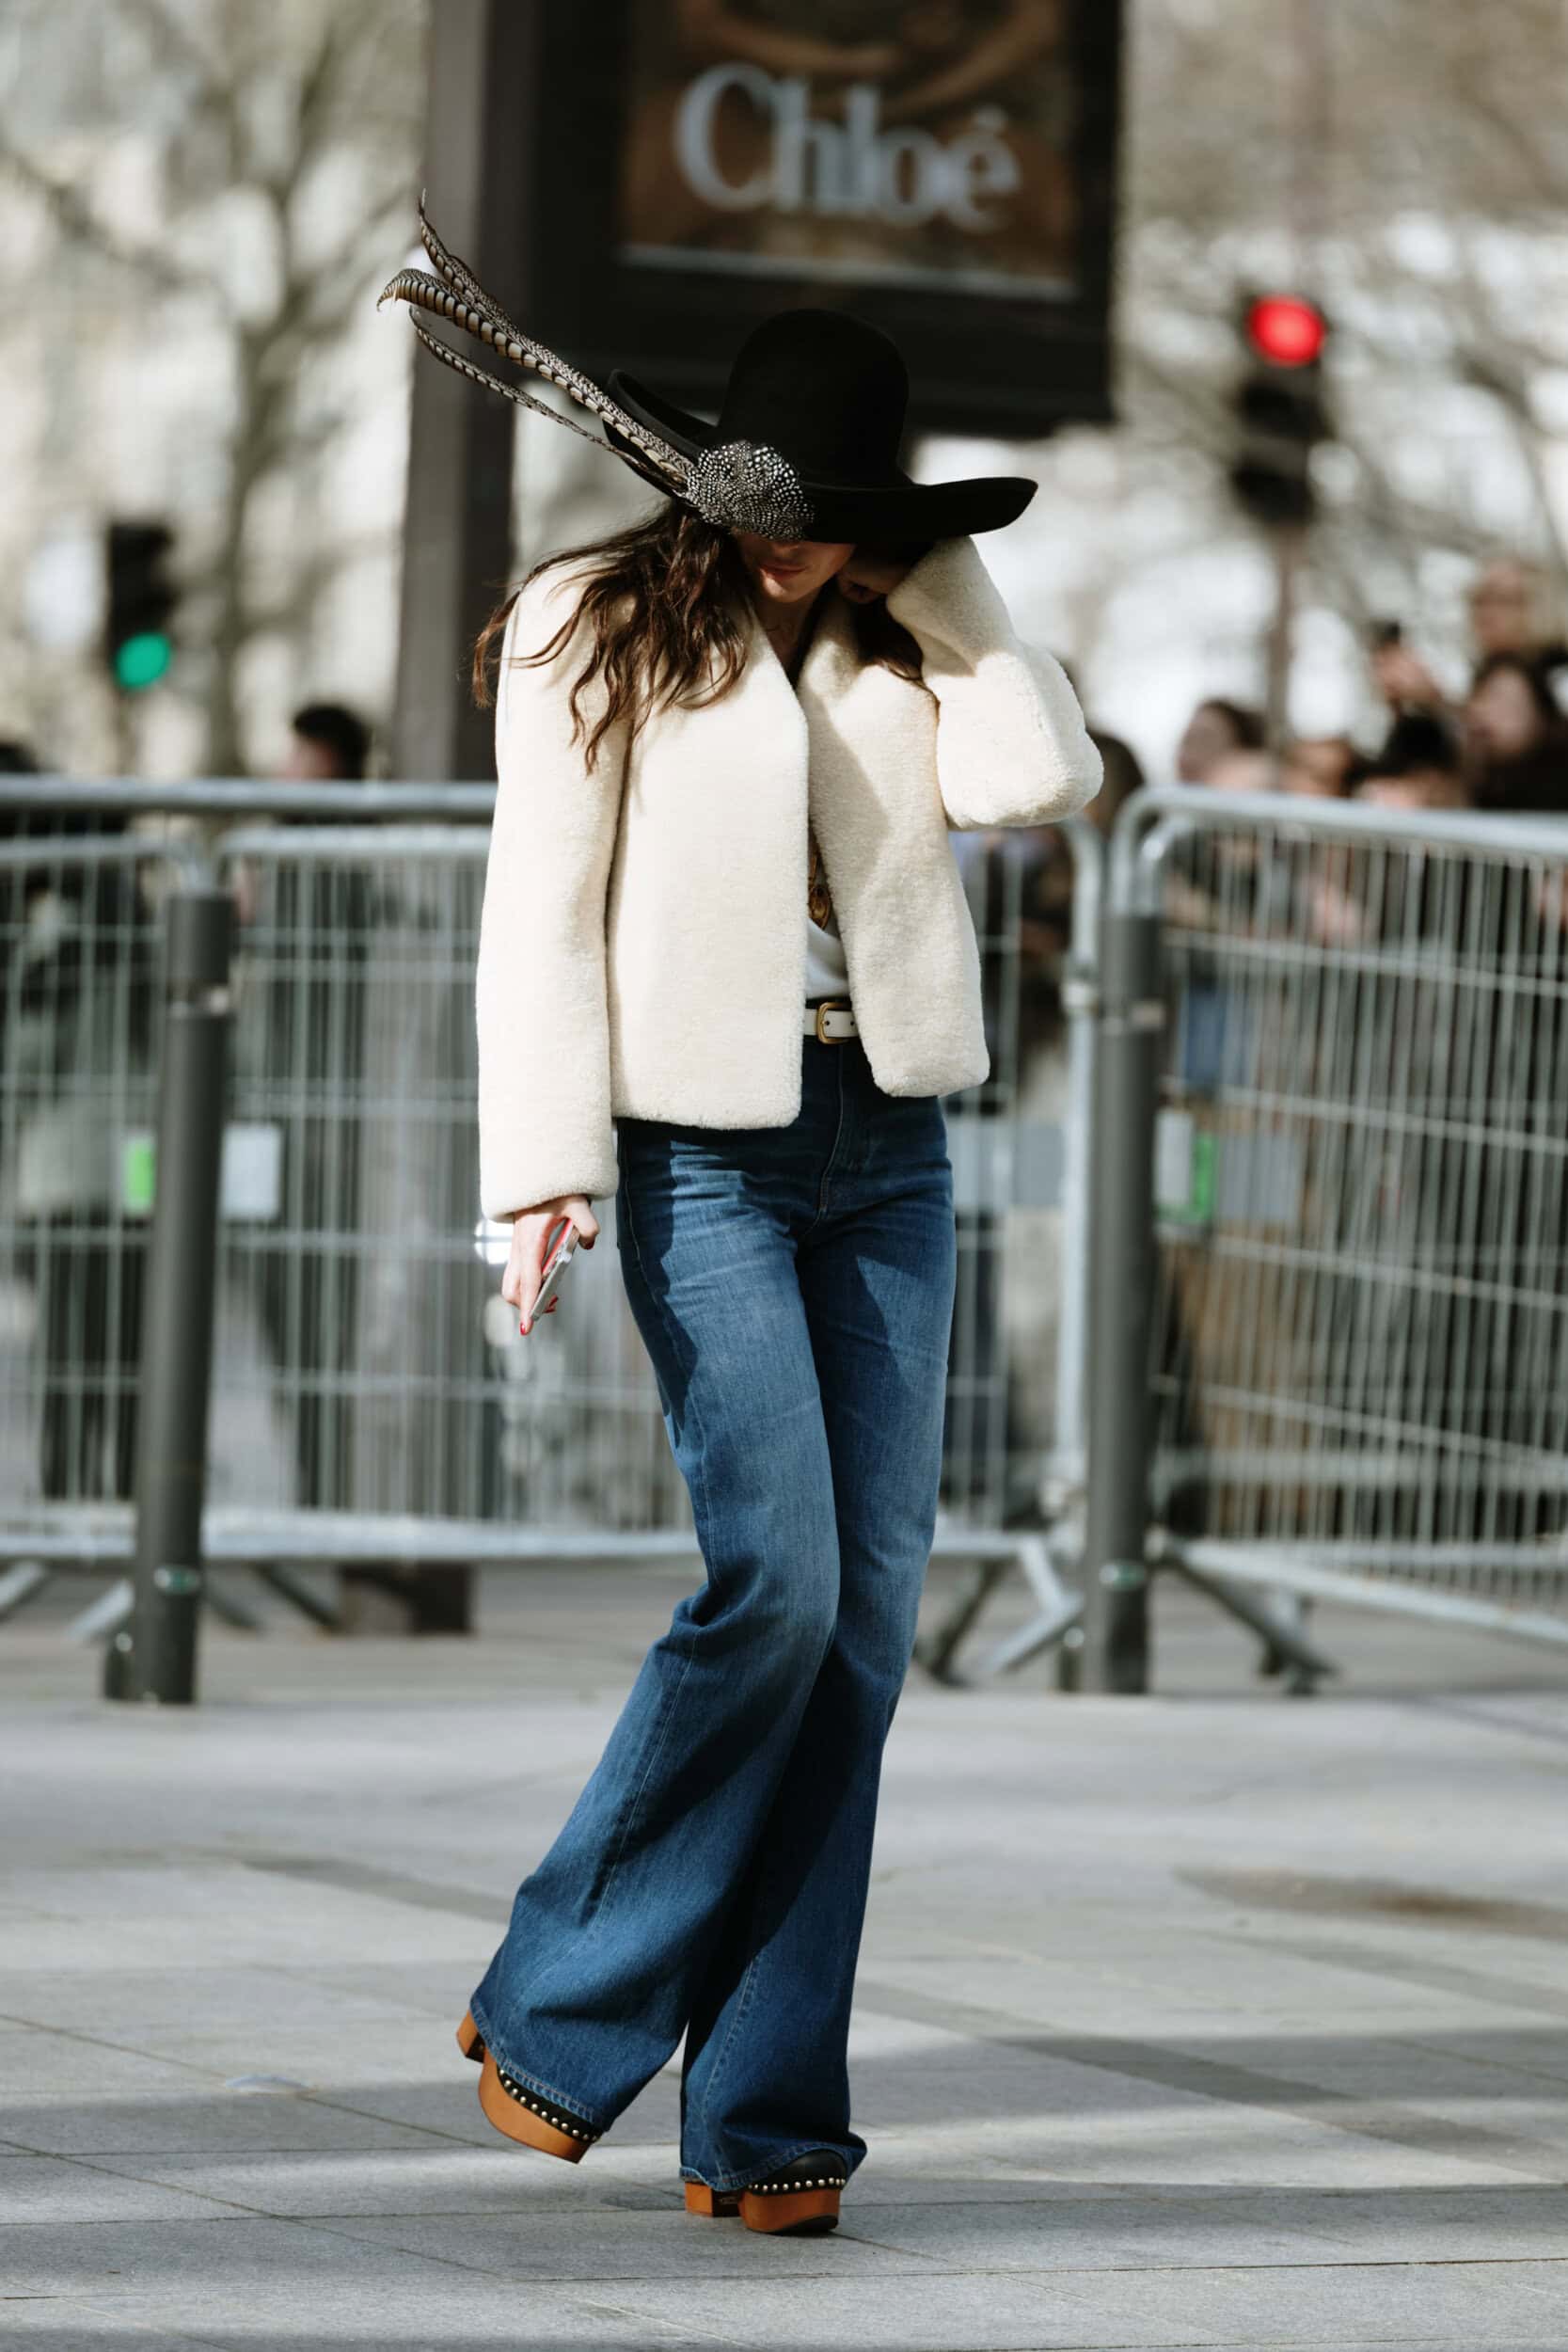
[(526, 1258), (868, 575), (1401, 678)]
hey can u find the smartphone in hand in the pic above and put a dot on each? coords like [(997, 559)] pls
[(555, 1261)]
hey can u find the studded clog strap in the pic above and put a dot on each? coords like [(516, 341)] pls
[(573, 2126), (792, 2186)]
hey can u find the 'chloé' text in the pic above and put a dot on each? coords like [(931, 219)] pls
[(847, 170)]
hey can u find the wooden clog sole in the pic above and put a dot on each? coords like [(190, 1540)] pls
[(800, 2213), (803, 2212), (714, 2204), (511, 2118)]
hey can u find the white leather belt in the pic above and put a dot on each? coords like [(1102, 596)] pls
[(832, 1021)]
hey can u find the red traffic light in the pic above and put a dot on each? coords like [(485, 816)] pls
[(1285, 330)]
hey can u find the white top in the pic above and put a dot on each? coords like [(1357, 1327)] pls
[(826, 973)]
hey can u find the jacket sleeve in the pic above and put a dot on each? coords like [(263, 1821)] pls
[(1012, 748), (541, 1003)]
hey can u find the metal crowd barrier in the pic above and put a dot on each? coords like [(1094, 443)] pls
[(81, 981), (370, 1399), (1330, 1254)]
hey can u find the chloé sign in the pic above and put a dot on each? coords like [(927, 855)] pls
[(851, 168)]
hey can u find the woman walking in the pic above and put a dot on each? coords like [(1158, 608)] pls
[(726, 972)]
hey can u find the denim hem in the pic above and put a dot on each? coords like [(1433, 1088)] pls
[(738, 2180), (569, 2099)]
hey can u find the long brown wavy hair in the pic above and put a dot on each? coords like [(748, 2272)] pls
[(668, 605)]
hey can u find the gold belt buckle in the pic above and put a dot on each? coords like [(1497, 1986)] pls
[(830, 1004)]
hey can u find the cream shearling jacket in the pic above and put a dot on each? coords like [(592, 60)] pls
[(642, 935)]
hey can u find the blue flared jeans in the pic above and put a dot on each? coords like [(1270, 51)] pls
[(794, 1289)]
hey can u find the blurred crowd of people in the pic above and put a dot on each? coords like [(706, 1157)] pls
[(1496, 742), (1500, 744)]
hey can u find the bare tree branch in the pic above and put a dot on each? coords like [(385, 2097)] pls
[(170, 34), (79, 222)]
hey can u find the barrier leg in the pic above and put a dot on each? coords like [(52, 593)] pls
[(177, 1329), (19, 1583), (1114, 1657), (937, 1653), (1284, 1644)]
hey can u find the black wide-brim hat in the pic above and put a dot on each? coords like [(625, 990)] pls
[(826, 393), (807, 441)]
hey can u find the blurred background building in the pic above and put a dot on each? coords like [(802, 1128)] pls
[(204, 198)]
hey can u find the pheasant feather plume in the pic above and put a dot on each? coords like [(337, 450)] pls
[(739, 486)]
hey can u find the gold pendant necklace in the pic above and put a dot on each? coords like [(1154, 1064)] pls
[(820, 899)]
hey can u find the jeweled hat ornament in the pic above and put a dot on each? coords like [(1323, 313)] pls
[(806, 445)]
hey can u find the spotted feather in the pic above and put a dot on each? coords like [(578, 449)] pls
[(739, 486)]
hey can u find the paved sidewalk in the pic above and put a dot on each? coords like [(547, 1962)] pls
[(1217, 2019)]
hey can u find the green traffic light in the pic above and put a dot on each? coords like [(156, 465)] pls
[(141, 661)]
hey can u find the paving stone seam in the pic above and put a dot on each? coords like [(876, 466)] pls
[(1168, 2067), (1219, 2270), (1472, 1984), (104, 2042), (644, 2319), (739, 2250), (167, 2332), (1058, 2274), (365, 1879)]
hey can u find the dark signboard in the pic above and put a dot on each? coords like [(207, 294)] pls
[(944, 169)]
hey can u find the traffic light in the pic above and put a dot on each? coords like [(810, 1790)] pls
[(1279, 407), (138, 639)]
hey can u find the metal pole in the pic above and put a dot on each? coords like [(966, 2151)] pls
[(1306, 142), (177, 1335), (482, 78), (1064, 1487), (1289, 542), (484, 88), (1309, 131), (1122, 1294)]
